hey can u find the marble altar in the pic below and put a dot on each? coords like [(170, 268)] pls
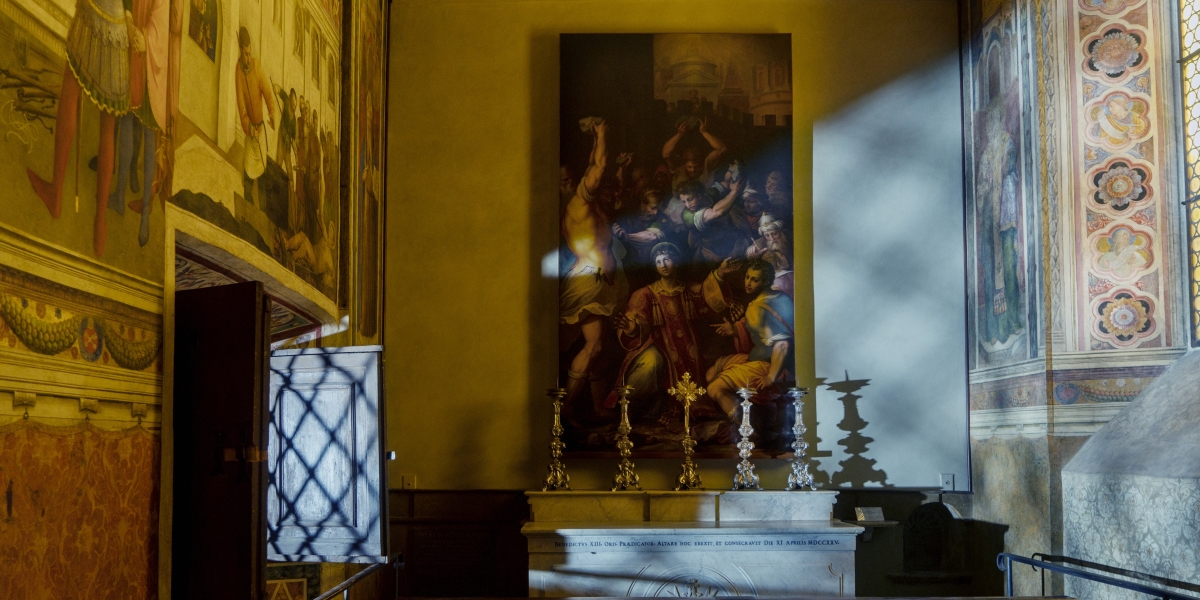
[(693, 543)]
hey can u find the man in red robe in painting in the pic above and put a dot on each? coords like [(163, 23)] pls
[(657, 329)]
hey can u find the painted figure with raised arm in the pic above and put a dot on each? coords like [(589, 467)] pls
[(716, 230), (595, 284), (688, 165)]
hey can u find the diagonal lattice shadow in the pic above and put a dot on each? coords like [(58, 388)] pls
[(324, 473)]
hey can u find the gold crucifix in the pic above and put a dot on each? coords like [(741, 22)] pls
[(686, 391)]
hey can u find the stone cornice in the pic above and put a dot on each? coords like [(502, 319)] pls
[(1038, 421), (74, 271)]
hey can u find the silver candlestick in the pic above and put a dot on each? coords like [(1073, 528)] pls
[(799, 478), (745, 478), (557, 479), (625, 479)]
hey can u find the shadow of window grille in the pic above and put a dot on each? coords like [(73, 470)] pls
[(325, 484)]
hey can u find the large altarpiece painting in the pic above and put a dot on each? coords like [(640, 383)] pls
[(676, 253)]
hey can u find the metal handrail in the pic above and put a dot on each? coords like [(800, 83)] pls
[(1173, 583), (1004, 562), (344, 587)]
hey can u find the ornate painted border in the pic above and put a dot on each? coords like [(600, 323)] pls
[(1118, 116)]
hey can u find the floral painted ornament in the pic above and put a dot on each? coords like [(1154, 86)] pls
[(91, 339), (1124, 319), (1120, 185), (1115, 53), (1066, 393)]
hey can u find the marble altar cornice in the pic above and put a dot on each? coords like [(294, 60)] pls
[(696, 528), (686, 506)]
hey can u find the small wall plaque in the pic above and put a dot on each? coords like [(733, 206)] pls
[(869, 513)]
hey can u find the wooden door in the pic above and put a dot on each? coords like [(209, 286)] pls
[(220, 409), (327, 492)]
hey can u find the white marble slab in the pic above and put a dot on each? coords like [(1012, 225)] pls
[(648, 559), (690, 537), (688, 544), (776, 506)]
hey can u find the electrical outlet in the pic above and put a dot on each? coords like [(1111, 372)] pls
[(408, 482), (948, 482)]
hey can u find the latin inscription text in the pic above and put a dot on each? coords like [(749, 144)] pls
[(727, 544)]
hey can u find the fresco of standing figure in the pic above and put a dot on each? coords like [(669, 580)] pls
[(147, 102), (98, 44), (313, 176), (253, 90)]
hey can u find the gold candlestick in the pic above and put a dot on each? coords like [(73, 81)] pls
[(686, 392), (625, 479), (557, 479), (745, 479)]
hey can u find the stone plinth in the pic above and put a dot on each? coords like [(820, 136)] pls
[(587, 506), (682, 506), (651, 544)]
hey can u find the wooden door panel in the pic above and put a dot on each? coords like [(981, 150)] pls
[(316, 425), (219, 423), (327, 483)]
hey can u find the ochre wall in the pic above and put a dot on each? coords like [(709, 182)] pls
[(471, 323)]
